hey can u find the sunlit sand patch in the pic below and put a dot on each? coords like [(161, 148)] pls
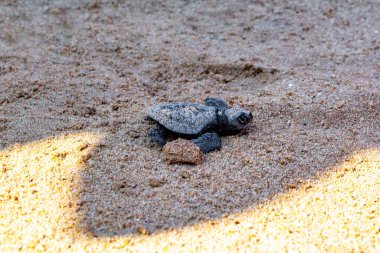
[(40, 185)]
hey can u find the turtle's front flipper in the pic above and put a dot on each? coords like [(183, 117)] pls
[(158, 134), (208, 142), (216, 102)]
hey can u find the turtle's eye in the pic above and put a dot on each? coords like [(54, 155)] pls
[(242, 119)]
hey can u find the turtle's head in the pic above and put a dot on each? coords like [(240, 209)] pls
[(237, 118)]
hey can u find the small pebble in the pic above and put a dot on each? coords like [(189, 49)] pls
[(156, 182), (115, 107), (83, 146), (182, 151), (142, 231)]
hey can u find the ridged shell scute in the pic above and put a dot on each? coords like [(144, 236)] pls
[(183, 117)]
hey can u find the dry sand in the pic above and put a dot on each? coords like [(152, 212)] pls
[(79, 174)]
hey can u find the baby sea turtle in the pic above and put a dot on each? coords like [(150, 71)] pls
[(203, 124)]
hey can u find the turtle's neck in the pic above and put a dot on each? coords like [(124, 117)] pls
[(222, 123)]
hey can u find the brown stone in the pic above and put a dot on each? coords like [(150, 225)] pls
[(182, 151)]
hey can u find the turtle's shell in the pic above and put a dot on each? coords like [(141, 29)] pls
[(183, 117)]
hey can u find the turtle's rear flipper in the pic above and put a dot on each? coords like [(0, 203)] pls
[(208, 142), (158, 134)]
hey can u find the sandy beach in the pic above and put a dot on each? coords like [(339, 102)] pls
[(79, 174)]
